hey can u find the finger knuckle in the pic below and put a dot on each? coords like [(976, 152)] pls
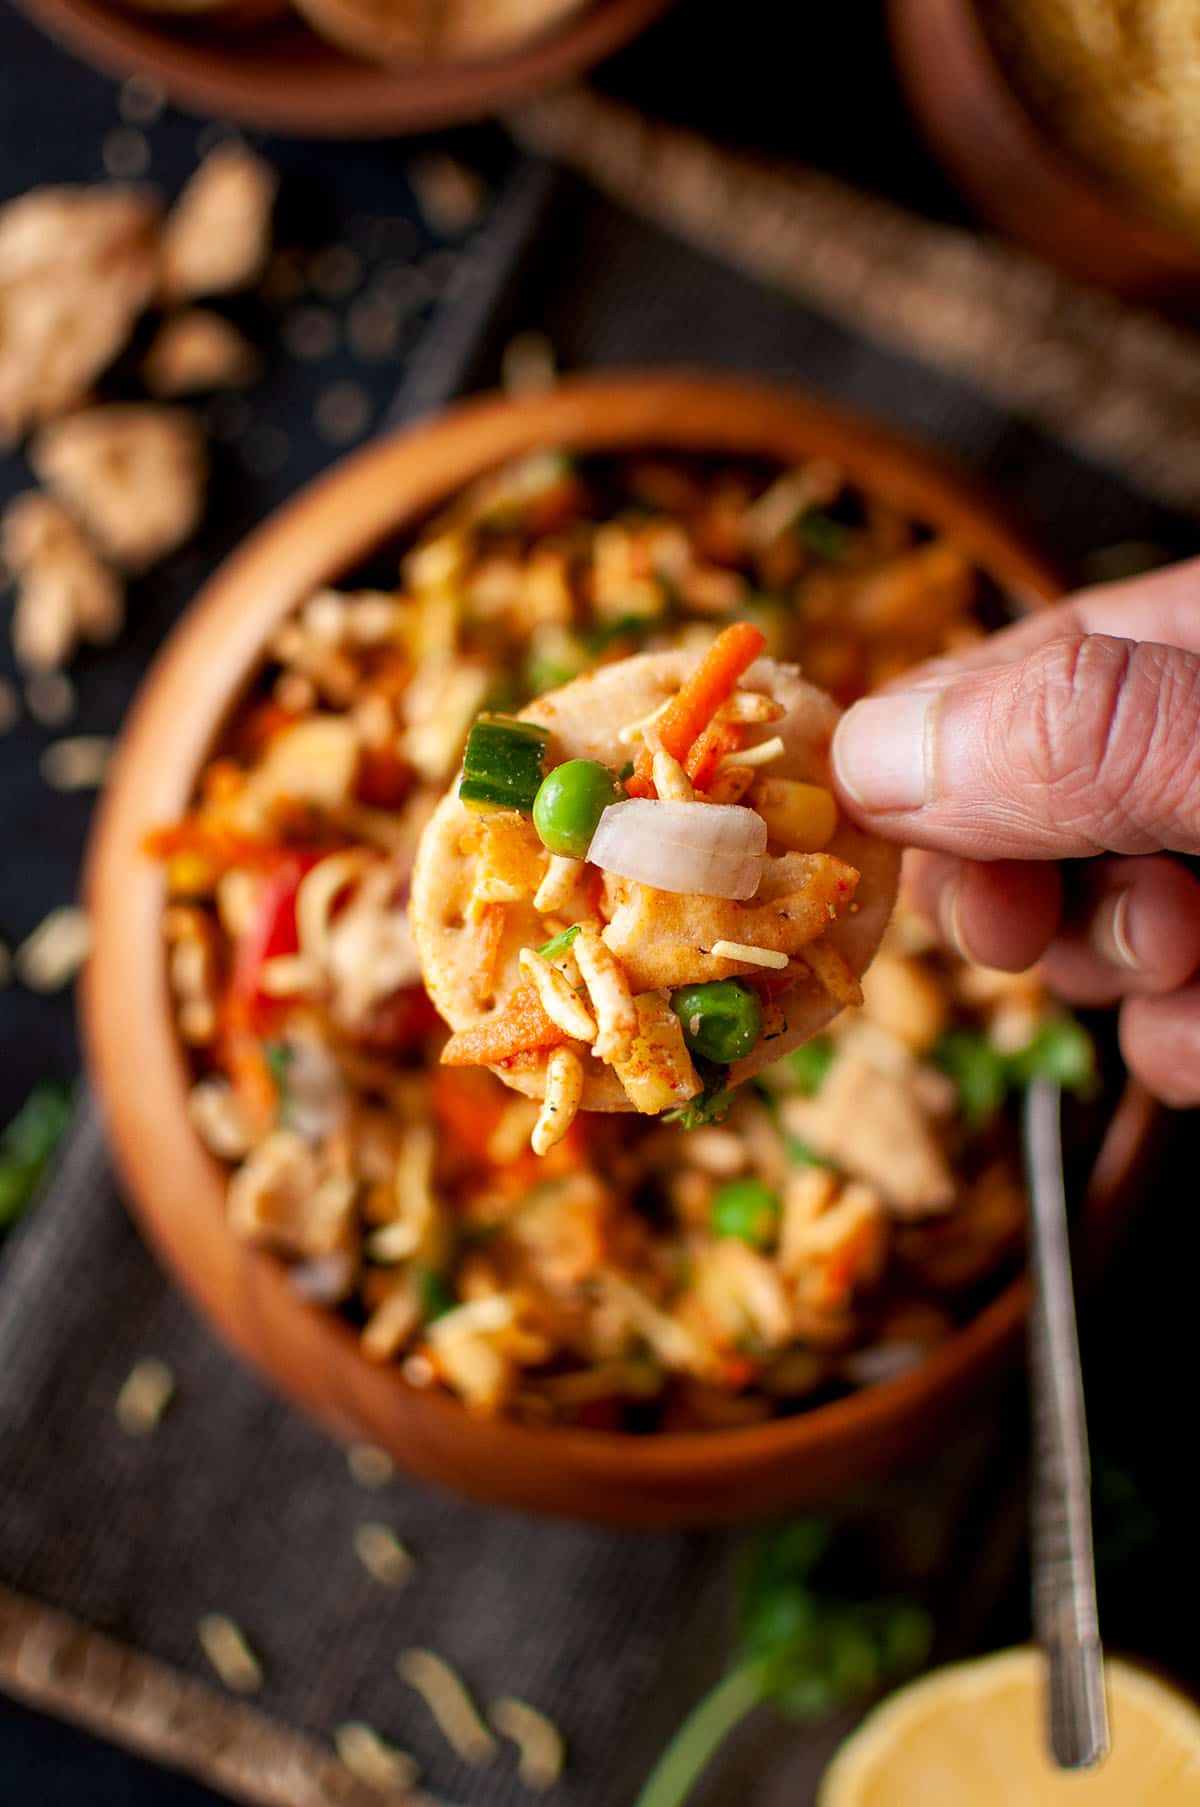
[(1103, 731)]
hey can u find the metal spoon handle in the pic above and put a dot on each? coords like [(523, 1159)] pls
[(1064, 1578)]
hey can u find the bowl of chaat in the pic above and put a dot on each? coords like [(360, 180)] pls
[(758, 1298)]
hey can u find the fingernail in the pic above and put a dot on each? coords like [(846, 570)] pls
[(950, 919), (1110, 932), (881, 750)]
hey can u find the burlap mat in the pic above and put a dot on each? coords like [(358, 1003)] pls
[(111, 1548)]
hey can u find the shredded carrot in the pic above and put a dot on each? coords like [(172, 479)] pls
[(222, 848), (493, 919), (523, 1026), (718, 739), (468, 1105), (218, 846), (244, 1059), (697, 700)]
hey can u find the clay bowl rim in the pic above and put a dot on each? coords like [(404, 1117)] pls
[(180, 708), (321, 90), (1147, 259)]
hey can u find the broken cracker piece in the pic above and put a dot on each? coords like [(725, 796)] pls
[(196, 351), (132, 473), (65, 593), (218, 233), (77, 267)]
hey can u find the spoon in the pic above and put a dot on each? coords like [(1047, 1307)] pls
[(1064, 1578)]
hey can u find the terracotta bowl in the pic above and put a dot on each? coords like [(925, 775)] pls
[(1017, 176), (282, 77), (141, 1069)]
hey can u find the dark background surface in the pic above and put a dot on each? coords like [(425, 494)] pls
[(694, 69)]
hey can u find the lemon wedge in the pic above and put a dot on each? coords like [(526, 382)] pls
[(973, 1736)]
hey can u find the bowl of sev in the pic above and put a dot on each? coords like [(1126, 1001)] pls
[(1070, 126), (639, 1329)]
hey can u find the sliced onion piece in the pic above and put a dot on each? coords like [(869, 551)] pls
[(709, 849)]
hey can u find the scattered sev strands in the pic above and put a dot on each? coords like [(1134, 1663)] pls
[(10, 706), (697, 700), (612, 1001), (382, 1554), (51, 956), (632, 732), (670, 780), (370, 1466), (558, 999), (144, 1396), (445, 1694), (370, 1759), (762, 754), (560, 1105), (541, 1751), (77, 764), (224, 1644), (751, 956)]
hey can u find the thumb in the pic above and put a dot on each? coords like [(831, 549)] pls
[(1085, 744)]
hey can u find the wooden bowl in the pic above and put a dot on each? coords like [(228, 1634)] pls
[(1019, 178), (282, 77), (141, 1069)]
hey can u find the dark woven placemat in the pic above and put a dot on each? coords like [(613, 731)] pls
[(236, 1505)]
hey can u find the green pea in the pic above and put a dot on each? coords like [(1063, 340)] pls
[(570, 803), (748, 1209), (722, 1020)]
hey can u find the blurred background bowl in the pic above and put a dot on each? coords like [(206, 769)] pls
[(141, 1069), (270, 70), (1015, 174)]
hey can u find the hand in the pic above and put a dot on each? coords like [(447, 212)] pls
[(1073, 736)]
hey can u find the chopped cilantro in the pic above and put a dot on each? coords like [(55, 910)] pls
[(712, 1105), (558, 944), (26, 1146), (977, 1069), (1061, 1050), (806, 1645), (435, 1294)]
